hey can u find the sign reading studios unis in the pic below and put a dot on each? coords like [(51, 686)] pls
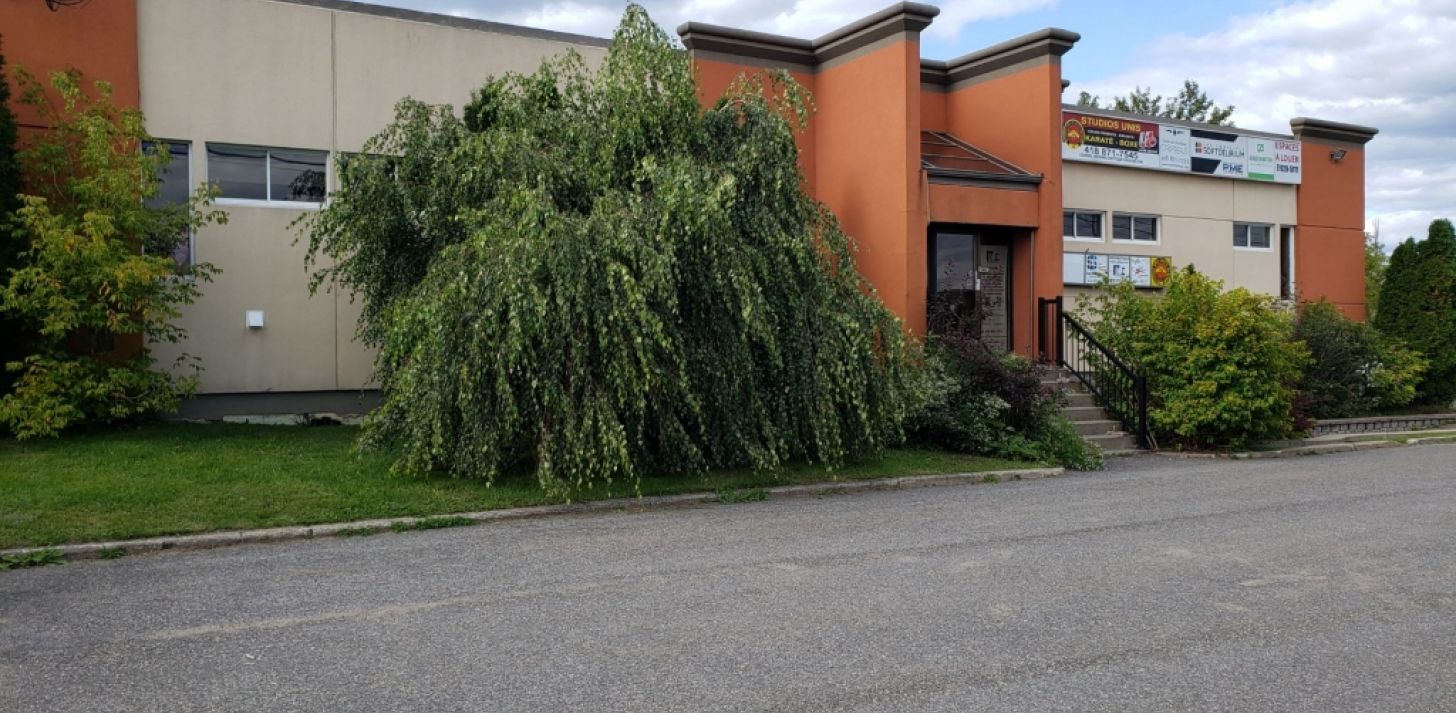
[(1168, 147)]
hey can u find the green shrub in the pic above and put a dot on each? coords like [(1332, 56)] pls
[(1353, 369), (969, 399), (1222, 367), (1418, 307), (13, 337)]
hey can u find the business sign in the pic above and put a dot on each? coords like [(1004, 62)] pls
[(1089, 268), (1140, 143)]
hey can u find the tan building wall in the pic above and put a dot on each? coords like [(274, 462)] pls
[(1196, 216), (300, 74)]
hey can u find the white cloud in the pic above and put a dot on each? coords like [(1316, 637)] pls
[(956, 14), (1391, 65), (795, 18)]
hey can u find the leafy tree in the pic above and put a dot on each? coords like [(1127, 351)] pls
[(95, 269), (1190, 104), (1397, 311), (1418, 306), (1375, 263), (591, 278), (12, 333)]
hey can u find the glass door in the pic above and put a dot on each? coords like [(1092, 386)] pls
[(970, 274), (953, 281)]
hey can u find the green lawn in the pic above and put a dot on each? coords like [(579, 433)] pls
[(169, 479)]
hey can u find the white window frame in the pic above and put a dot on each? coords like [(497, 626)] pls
[(1101, 220), (268, 179), (1157, 229), (1248, 243)]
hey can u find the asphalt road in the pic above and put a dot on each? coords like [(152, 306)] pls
[(1312, 584)]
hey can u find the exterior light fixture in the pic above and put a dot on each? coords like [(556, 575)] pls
[(1337, 154)]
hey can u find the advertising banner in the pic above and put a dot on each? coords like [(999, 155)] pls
[(1146, 143), (1216, 153), (1104, 139)]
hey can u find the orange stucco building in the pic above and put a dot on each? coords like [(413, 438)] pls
[(952, 176)]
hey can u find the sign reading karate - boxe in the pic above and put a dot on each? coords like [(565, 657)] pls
[(1159, 146)]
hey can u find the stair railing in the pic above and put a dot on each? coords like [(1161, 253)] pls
[(1117, 388)]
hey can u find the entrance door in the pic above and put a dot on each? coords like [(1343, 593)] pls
[(970, 282), (1286, 263)]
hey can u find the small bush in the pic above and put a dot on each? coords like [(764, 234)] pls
[(969, 399), (1222, 367), (1353, 369)]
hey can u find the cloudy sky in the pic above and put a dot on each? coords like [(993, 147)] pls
[(1390, 64)]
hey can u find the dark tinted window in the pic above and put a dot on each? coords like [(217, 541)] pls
[(174, 182), (1122, 227), (1145, 229), (954, 262), (174, 187), (1135, 227), (240, 171), (1253, 236), (298, 175)]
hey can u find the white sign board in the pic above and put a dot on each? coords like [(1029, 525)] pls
[(1147, 143)]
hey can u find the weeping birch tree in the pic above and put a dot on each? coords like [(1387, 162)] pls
[(592, 278)]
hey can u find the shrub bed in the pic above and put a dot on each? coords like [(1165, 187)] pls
[(1223, 368)]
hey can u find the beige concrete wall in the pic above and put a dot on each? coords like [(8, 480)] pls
[(1197, 215), (289, 75)]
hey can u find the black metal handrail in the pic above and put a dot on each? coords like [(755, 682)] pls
[(1116, 387)]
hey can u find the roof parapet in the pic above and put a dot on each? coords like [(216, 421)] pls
[(1042, 45), (898, 19), (1331, 131)]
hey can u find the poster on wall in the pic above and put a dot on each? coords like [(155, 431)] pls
[(1088, 268), (1142, 271), (1119, 268), (1096, 267), (995, 322), (1143, 143)]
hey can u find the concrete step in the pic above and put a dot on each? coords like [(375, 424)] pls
[(1079, 414), (1098, 427), (1080, 399), (1113, 442)]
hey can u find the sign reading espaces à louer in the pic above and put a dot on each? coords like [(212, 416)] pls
[(1159, 146)]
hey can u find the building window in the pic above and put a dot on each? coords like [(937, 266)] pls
[(1131, 228), (1255, 236), (268, 174), (1082, 225), (174, 187)]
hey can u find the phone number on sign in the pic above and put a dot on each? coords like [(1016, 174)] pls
[(1110, 154)]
